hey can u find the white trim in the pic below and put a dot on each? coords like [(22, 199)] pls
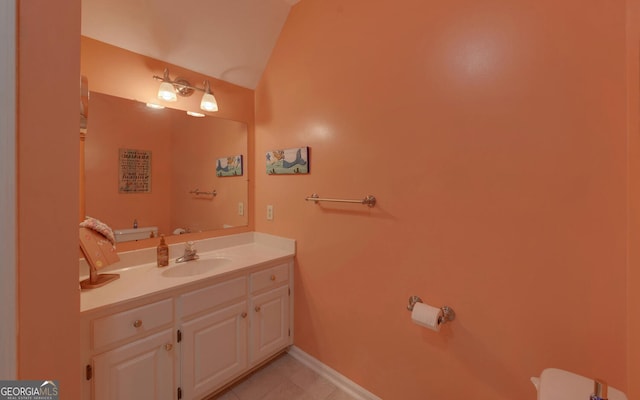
[(342, 382), (8, 297)]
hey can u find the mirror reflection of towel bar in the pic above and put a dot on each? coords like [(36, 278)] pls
[(369, 200), (198, 192)]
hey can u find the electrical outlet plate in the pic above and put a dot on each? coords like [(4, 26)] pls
[(241, 208), (270, 212)]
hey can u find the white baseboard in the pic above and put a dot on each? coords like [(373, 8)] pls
[(342, 382)]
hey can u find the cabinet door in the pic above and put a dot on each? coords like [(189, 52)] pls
[(214, 350), (140, 370), (269, 323)]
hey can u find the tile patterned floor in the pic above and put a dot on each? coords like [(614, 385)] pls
[(285, 378)]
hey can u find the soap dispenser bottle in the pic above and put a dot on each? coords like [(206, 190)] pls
[(163, 253), (600, 389)]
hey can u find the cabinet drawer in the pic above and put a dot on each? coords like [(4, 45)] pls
[(129, 323), (213, 296), (270, 277)]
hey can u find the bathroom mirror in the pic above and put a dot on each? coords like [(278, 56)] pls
[(183, 160)]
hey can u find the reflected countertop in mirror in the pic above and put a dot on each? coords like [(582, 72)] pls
[(185, 153)]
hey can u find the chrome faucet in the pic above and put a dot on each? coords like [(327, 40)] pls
[(190, 253)]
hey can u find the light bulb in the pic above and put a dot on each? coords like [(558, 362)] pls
[(209, 103), (167, 92)]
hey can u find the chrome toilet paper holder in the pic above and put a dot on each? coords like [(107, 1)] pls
[(447, 312)]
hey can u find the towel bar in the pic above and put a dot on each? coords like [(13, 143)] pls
[(369, 200), (200, 192)]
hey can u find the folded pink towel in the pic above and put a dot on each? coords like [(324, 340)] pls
[(100, 227)]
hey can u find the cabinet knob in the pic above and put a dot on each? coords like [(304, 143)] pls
[(168, 347), (243, 315), (273, 277), (257, 308), (137, 323)]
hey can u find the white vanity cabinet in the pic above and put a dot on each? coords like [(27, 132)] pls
[(270, 312), (213, 336), (141, 370), (133, 353), (190, 341)]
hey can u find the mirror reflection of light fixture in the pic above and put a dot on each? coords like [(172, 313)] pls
[(195, 114), (170, 89), (155, 106)]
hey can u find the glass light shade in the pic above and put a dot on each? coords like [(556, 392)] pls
[(209, 103), (167, 92)]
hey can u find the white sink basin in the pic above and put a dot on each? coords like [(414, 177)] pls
[(196, 267), (557, 384)]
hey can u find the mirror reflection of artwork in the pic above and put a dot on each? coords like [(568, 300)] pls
[(288, 161), (134, 171), (229, 166)]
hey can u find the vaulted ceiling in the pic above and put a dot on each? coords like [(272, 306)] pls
[(226, 39)]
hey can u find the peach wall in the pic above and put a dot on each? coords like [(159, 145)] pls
[(493, 135), (48, 130), (118, 72), (633, 282)]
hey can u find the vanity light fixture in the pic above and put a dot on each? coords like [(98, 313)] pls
[(208, 102), (170, 89), (166, 92)]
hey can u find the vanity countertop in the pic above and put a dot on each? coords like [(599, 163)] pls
[(140, 276)]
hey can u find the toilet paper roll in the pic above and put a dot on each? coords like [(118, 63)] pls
[(427, 316)]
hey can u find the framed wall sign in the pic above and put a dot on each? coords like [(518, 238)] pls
[(134, 171), (288, 161)]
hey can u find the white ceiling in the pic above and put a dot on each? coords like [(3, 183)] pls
[(226, 39)]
